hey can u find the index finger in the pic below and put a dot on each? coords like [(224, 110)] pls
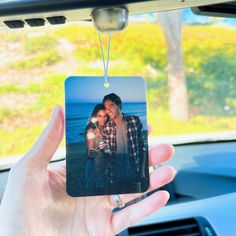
[(138, 211)]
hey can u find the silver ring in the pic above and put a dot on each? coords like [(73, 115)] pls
[(117, 200)]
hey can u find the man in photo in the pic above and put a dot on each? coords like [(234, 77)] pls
[(124, 135)]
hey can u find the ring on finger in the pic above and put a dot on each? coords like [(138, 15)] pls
[(117, 200)]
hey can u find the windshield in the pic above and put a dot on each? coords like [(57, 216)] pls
[(186, 98)]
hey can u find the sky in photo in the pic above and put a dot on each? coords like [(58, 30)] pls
[(82, 89)]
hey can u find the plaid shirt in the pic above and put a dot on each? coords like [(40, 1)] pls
[(137, 145)]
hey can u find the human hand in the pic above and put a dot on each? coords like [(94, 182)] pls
[(102, 145), (36, 203)]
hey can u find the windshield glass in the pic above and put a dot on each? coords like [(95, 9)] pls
[(186, 98)]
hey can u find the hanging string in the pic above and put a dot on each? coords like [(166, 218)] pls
[(105, 63)]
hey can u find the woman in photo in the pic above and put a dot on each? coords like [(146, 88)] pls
[(97, 152)]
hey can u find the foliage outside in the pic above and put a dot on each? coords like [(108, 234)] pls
[(140, 50)]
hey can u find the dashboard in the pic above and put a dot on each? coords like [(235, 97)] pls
[(203, 193)]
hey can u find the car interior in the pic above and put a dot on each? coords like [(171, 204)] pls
[(203, 193)]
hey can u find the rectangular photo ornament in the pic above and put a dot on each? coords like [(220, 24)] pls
[(106, 136)]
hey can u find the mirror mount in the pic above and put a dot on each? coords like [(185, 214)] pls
[(110, 20)]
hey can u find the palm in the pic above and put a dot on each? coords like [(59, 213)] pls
[(84, 215)]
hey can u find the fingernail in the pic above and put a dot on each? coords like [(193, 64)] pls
[(167, 174), (163, 176), (173, 150), (174, 171), (54, 114)]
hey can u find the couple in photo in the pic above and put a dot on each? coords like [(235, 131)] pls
[(116, 149)]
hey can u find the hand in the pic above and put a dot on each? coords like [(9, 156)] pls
[(36, 203), (103, 145)]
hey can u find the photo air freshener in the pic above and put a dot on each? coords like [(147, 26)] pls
[(106, 136)]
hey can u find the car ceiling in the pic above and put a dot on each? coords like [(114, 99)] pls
[(75, 10)]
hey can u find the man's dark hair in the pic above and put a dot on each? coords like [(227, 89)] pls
[(114, 98)]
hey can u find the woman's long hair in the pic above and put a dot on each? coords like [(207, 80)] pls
[(96, 109)]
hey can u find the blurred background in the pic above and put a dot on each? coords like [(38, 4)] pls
[(188, 63)]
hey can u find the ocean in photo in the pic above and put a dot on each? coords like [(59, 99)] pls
[(77, 115)]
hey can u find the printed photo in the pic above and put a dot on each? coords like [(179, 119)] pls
[(106, 136)]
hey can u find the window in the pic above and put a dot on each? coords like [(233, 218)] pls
[(34, 64)]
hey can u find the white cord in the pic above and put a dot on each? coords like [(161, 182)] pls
[(105, 65)]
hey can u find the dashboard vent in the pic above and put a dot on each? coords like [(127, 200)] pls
[(13, 24), (187, 227), (35, 22)]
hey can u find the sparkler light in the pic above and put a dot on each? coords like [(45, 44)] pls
[(90, 135), (94, 120)]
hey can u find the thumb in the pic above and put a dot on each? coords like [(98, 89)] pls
[(46, 145), (149, 129)]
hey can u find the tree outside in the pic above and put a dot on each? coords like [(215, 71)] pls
[(178, 93)]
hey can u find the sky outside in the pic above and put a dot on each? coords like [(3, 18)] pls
[(188, 17)]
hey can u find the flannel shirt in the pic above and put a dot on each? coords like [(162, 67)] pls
[(137, 145)]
